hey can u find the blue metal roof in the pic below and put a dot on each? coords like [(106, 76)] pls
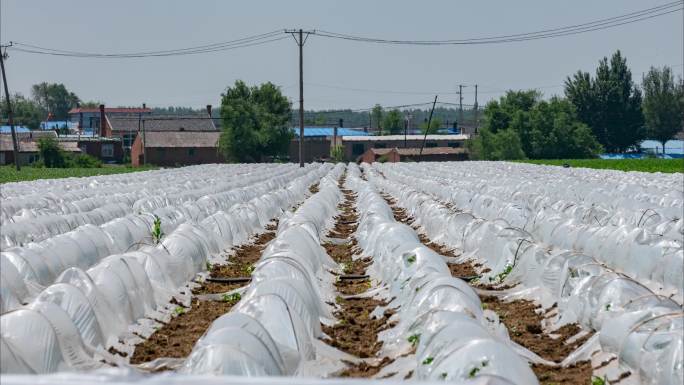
[(328, 131), (7, 129), (55, 124)]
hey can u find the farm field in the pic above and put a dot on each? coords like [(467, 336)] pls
[(10, 174), (644, 165), (465, 272)]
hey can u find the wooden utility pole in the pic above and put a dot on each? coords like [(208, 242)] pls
[(300, 42), (477, 112), (10, 119), (460, 107), (420, 155)]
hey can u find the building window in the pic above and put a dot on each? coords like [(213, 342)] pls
[(107, 150), (358, 148), (191, 152), (128, 140), (431, 144), (454, 144), (380, 145)]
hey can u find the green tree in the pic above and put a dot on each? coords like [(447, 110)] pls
[(55, 99), (255, 122), (662, 104), (51, 154), (501, 145), (610, 104), (25, 112), (376, 118), (393, 122), (435, 124)]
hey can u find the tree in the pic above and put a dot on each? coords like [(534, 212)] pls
[(26, 112), (502, 145), (51, 153), (393, 123), (544, 129), (55, 99), (376, 118), (435, 124), (610, 104), (255, 122), (662, 104)]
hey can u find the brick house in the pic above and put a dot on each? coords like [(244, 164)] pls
[(432, 154), (175, 148), (28, 147), (356, 146)]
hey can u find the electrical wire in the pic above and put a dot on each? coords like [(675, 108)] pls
[(543, 34), (222, 46)]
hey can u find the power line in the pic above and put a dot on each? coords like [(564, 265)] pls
[(222, 46), (543, 34)]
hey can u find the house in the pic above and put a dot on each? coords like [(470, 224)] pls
[(356, 146), (17, 129), (108, 150), (128, 127), (28, 147), (175, 148), (90, 118), (432, 154), (318, 141)]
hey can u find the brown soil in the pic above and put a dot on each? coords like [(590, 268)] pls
[(521, 319), (524, 327), (314, 188), (356, 332), (177, 338)]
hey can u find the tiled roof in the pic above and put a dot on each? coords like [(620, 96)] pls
[(163, 123), (401, 137), (182, 139), (328, 131), (32, 146), (416, 151), (115, 110)]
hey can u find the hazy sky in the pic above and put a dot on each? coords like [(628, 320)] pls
[(330, 65)]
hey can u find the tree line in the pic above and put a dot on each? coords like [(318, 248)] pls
[(607, 112)]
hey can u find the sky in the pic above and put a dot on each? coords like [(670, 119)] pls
[(337, 73)]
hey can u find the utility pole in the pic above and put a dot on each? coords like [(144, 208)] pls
[(300, 42), (460, 107), (420, 155), (10, 119), (477, 112)]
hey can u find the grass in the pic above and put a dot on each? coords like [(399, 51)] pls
[(645, 165), (10, 174)]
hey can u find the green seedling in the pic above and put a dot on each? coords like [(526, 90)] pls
[(157, 232), (574, 273), (607, 307), (411, 259), (235, 297), (338, 299), (483, 306), (208, 264), (501, 276), (596, 380), (414, 339), (417, 289), (179, 310), (428, 360), (249, 269), (443, 375), (473, 372)]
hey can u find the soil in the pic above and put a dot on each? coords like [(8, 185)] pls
[(356, 332), (314, 188), (521, 319), (177, 338)]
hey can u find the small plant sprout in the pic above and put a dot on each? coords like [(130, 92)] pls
[(208, 265), (507, 270), (179, 310), (235, 297), (157, 232), (473, 372), (428, 360), (411, 259), (607, 307), (443, 375), (414, 339), (596, 380), (483, 306), (249, 269)]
